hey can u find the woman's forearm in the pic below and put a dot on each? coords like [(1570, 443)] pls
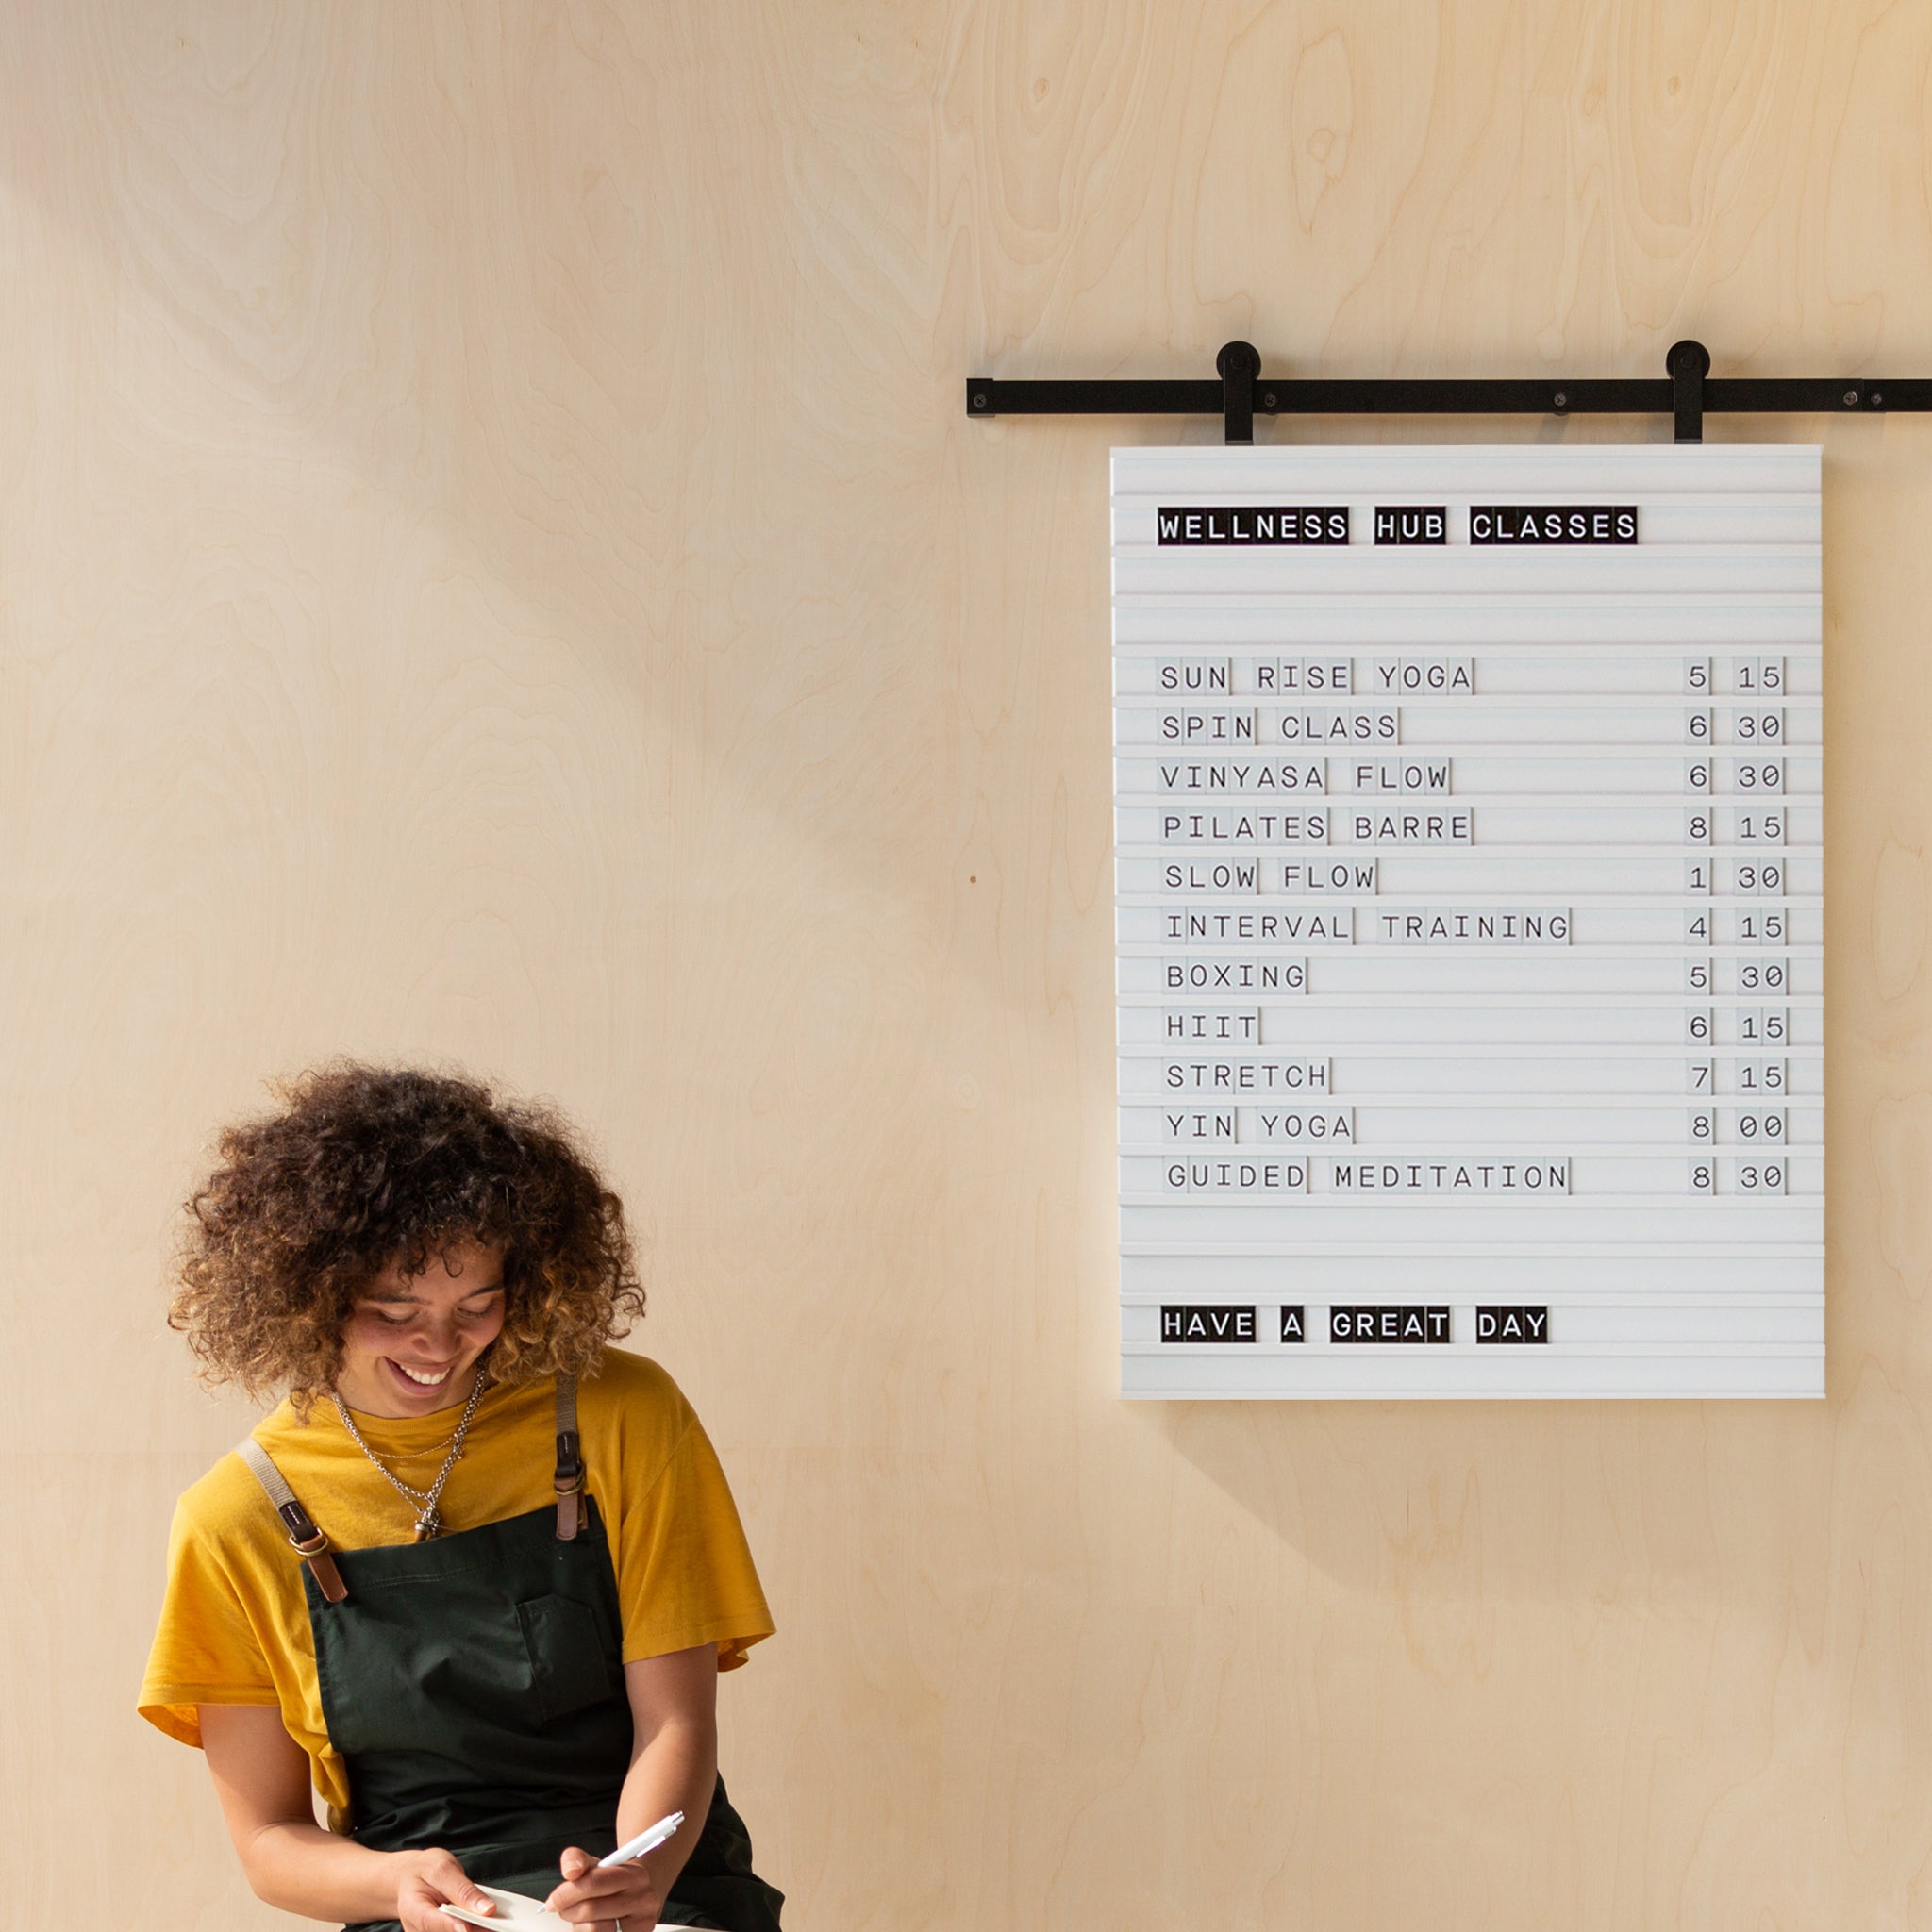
[(676, 1770), (261, 1777), (302, 1868)]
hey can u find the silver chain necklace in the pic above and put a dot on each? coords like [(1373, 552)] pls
[(428, 1518)]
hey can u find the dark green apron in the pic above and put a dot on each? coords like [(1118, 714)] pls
[(474, 1687)]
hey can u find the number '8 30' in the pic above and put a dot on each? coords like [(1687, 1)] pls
[(1744, 1176)]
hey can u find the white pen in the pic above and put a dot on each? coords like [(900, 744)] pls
[(645, 1842)]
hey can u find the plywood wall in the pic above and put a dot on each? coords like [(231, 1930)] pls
[(494, 567)]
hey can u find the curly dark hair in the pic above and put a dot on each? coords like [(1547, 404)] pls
[(361, 1166)]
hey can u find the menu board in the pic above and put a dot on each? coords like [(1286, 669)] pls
[(1470, 917)]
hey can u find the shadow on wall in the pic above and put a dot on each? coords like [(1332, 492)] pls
[(1572, 1504)]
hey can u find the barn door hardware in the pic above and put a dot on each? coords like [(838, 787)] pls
[(1238, 393)]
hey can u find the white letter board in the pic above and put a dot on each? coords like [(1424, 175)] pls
[(1470, 903)]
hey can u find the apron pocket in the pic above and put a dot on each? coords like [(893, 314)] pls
[(569, 1664)]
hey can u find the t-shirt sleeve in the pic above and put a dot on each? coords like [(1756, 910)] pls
[(685, 1574), (205, 1650)]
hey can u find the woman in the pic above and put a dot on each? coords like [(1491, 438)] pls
[(475, 1578)]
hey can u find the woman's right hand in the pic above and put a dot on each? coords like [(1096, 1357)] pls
[(427, 1881)]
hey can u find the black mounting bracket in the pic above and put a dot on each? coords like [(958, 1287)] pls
[(1239, 363), (1689, 363), (1240, 392)]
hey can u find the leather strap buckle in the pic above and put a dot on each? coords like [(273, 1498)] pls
[(308, 1541), (316, 1559), (569, 1485)]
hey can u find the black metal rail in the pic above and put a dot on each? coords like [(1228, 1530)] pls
[(1239, 394)]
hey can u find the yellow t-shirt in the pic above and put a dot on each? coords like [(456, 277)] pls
[(234, 1623)]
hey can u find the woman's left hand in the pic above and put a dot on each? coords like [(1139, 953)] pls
[(597, 1895)]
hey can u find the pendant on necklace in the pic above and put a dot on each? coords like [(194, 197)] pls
[(427, 1527)]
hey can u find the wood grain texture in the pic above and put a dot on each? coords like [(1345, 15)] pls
[(494, 567)]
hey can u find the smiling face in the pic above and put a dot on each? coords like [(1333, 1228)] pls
[(412, 1343)]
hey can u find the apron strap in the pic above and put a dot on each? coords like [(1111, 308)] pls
[(568, 1480), (309, 1541)]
